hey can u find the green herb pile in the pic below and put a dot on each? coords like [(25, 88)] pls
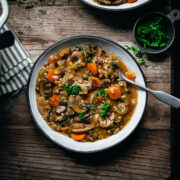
[(74, 89), (153, 32), (102, 93), (137, 53), (104, 111)]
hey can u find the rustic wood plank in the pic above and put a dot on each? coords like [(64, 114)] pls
[(28, 153)]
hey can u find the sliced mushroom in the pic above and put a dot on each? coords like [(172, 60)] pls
[(69, 111), (117, 2), (77, 59), (98, 52), (83, 130), (79, 109), (45, 88), (51, 115), (43, 105), (60, 109), (108, 121), (122, 109)]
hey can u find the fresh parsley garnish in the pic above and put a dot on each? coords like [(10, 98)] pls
[(20, 31), (112, 63), (104, 110), (137, 52), (71, 104), (86, 51), (65, 121), (28, 18), (89, 60), (42, 11), (81, 116), (128, 47), (153, 32), (72, 89), (143, 62), (102, 93)]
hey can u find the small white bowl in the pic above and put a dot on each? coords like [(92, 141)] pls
[(121, 7), (64, 141)]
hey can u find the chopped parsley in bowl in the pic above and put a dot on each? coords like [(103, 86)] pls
[(154, 32)]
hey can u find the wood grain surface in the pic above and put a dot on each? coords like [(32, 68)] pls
[(25, 153)]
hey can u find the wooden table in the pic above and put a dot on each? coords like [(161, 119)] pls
[(25, 153)]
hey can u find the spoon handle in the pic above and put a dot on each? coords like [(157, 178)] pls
[(162, 96)]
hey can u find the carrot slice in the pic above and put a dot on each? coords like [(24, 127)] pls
[(52, 59), (114, 92), (50, 75), (130, 75), (53, 72), (96, 80), (132, 1), (54, 100), (68, 61), (98, 99), (57, 71), (78, 137), (65, 128), (93, 68), (63, 52)]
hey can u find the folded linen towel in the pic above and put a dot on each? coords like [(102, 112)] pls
[(15, 66)]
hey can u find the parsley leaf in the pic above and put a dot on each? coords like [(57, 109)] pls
[(102, 93), (104, 110), (128, 47), (74, 89), (137, 52), (65, 121), (112, 63), (152, 32), (81, 116), (89, 60), (20, 31), (42, 11)]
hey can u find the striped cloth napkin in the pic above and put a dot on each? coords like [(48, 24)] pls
[(15, 66)]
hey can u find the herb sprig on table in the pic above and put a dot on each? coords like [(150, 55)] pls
[(137, 53), (29, 4), (153, 32)]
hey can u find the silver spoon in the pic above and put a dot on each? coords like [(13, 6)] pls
[(162, 96)]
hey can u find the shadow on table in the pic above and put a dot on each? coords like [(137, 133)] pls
[(107, 156), (126, 19)]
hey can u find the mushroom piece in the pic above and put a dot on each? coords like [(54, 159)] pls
[(45, 88), (79, 109), (43, 105), (108, 122), (117, 2), (51, 115), (69, 111), (60, 109), (97, 51), (77, 58), (122, 109), (83, 130)]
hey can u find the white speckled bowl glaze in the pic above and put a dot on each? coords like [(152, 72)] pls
[(123, 7), (65, 141)]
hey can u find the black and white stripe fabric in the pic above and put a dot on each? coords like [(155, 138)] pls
[(15, 66)]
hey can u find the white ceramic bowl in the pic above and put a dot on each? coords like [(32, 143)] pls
[(123, 7), (65, 141)]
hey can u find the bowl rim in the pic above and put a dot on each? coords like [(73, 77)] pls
[(71, 38), (101, 7), (160, 50)]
